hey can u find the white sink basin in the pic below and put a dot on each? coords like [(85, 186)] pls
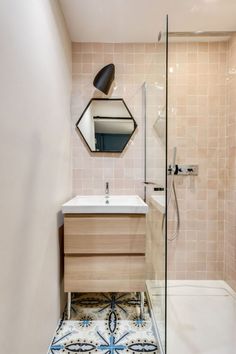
[(159, 202), (98, 204)]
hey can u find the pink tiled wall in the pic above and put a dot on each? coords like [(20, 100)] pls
[(201, 111), (230, 214), (197, 123), (134, 63)]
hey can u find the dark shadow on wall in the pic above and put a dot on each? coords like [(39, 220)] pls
[(61, 261)]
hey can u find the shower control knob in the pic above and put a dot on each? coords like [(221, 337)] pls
[(184, 170), (176, 171)]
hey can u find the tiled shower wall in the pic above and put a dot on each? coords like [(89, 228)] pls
[(230, 213), (134, 65), (197, 123)]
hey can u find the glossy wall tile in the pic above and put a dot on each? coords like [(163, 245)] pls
[(135, 63), (198, 108)]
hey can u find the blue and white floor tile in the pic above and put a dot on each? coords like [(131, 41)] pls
[(106, 323)]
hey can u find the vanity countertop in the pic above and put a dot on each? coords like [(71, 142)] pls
[(99, 204)]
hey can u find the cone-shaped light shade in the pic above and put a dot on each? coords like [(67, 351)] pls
[(104, 78)]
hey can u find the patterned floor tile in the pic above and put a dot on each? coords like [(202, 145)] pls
[(106, 323)]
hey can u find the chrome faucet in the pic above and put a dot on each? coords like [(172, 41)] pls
[(107, 190)]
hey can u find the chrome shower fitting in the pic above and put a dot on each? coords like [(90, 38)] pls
[(183, 170)]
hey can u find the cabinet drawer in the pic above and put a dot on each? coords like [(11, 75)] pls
[(109, 273), (95, 244), (104, 234)]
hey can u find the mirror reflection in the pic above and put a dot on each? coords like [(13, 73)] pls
[(106, 125)]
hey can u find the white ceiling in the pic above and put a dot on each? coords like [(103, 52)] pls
[(141, 20)]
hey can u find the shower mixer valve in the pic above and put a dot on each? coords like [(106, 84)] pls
[(183, 170)]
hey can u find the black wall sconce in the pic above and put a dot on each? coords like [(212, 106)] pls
[(104, 78)]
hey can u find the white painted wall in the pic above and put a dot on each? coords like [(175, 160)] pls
[(35, 172)]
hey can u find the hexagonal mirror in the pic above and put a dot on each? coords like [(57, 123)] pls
[(106, 125)]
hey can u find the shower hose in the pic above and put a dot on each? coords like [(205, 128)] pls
[(172, 193)]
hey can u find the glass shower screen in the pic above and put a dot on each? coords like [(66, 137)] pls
[(155, 103)]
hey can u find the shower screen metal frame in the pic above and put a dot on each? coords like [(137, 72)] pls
[(166, 175)]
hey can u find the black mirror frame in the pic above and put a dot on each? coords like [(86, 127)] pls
[(106, 99)]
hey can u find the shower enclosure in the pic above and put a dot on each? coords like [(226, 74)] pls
[(201, 264), (190, 176)]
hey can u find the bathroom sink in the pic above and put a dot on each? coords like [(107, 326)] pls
[(159, 202), (99, 204)]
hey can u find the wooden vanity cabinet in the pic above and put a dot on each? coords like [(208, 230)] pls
[(104, 252)]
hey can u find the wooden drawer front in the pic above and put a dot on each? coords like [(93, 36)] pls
[(104, 224), (109, 273), (104, 234), (99, 286), (95, 244)]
